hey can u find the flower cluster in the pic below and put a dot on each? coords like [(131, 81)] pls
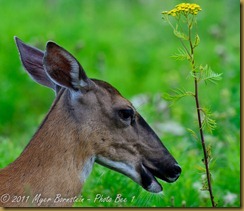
[(183, 8)]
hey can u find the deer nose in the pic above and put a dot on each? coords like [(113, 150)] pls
[(174, 173), (177, 169)]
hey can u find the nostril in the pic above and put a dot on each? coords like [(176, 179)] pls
[(177, 169), (173, 173)]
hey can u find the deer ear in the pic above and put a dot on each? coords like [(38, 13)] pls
[(64, 69), (31, 59)]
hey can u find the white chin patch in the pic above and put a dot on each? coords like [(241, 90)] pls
[(120, 167)]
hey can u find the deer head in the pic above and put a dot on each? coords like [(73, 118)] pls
[(108, 128)]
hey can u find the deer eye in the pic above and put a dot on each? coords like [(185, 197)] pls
[(126, 114)]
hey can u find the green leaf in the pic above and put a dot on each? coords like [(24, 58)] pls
[(197, 41), (208, 75), (209, 152), (178, 94), (193, 133), (208, 123), (181, 55), (180, 35)]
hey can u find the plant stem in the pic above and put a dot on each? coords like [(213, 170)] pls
[(200, 121), (203, 144)]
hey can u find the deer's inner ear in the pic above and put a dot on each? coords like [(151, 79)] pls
[(64, 69)]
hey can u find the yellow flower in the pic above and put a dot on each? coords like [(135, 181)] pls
[(184, 8)]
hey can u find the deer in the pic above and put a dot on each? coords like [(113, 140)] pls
[(89, 121)]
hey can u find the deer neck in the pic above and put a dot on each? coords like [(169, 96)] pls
[(57, 155)]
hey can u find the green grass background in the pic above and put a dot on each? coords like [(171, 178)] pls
[(126, 43)]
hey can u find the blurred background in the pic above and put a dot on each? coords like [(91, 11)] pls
[(126, 43)]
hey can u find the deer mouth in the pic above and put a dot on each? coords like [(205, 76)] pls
[(149, 174), (142, 174), (148, 181)]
